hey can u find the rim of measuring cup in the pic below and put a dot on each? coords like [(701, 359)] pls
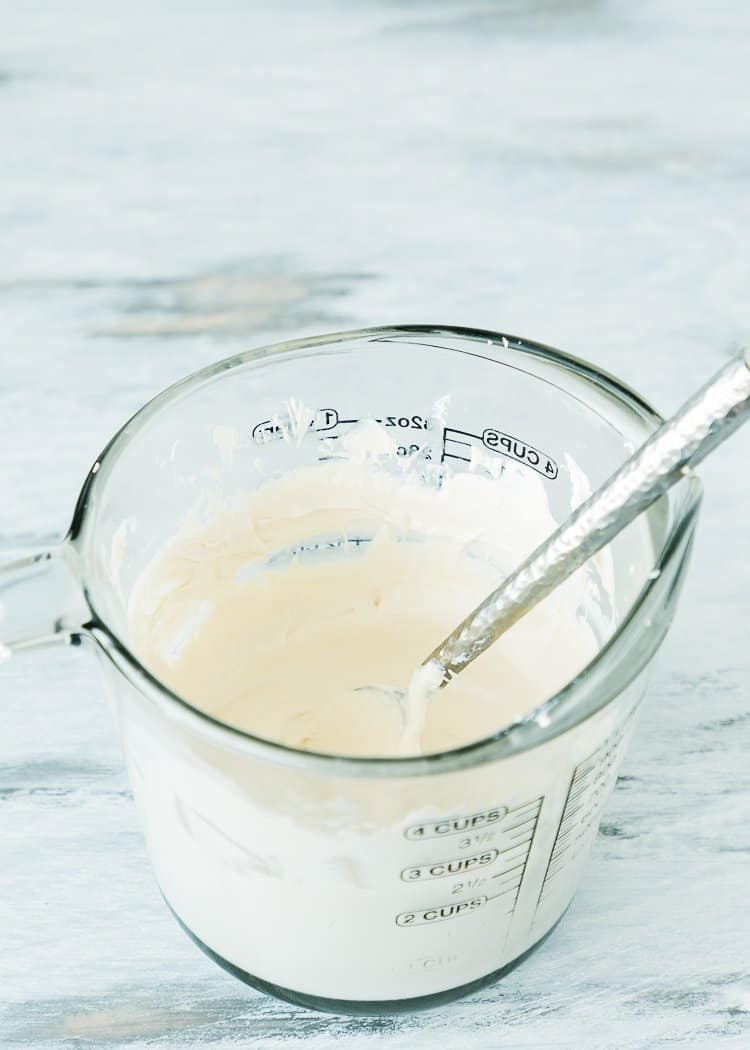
[(559, 713)]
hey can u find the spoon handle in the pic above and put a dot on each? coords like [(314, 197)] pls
[(703, 422)]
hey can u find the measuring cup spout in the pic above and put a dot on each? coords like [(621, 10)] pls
[(41, 601)]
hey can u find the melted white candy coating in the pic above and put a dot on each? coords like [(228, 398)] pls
[(282, 646)]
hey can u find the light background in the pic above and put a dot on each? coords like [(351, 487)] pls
[(182, 181)]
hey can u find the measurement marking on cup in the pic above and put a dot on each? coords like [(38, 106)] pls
[(514, 827), (516, 846), (456, 444), (578, 793), (440, 913), (464, 823), (454, 910), (589, 785), (518, 811), (510, 830), (322, 420), (279, 426), (441, 869), (458, 447), (505, 874), (505, 892), (456, 825)]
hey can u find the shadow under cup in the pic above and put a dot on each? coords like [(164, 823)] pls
[(373, 885)]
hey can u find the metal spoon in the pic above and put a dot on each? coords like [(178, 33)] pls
[(708, 418)]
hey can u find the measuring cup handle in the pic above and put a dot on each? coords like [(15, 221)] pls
[(41, 601)]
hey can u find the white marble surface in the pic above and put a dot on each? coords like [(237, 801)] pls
[(178, 181)]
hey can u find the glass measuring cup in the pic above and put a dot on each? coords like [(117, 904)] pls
[(363, 885)]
